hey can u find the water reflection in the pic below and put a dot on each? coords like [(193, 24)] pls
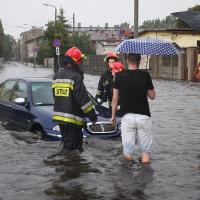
[(96, 175), (70, 167)]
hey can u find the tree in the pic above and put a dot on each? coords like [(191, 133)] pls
[(1, 39), (60, 29), (61, 18), (195, 8), (167, 23), (83, 42), (17, 51), (55, 30), (125, 25), (8, 43), (180, 23), (44, 51)]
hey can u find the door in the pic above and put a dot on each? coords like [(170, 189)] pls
[(6, 111), (21, 113)]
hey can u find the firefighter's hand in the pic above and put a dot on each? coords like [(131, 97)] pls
[(94, 122), (100, 101)]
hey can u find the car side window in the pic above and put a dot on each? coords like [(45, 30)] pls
[(6, 90), (20, 91)]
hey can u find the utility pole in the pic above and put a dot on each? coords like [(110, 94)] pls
[(135, 18), (73, 23), (55, 13), (26, 47)]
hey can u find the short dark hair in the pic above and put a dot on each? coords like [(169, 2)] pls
[(133, 58)]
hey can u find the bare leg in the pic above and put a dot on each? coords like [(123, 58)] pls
[(128, 157), (146, 158)]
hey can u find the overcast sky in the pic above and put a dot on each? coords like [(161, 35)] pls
[(88, 12)]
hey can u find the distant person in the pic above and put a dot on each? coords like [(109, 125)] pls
[(196, 75), (133, 87), (105, 86), (72, 102), (116, 67)]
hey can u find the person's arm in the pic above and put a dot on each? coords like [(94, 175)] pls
[(52, 85), (150, 88), (83, 100), (101, 90), (151, 94), (115, 100)]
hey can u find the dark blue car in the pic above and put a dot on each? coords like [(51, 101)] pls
[(28, 103)]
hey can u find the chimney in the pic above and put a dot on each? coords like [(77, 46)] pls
[(106, 25), (79, 26), (116, 27)]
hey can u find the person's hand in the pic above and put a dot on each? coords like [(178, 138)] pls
[(113, 120)]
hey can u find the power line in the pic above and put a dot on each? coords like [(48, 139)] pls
[(14, 26)]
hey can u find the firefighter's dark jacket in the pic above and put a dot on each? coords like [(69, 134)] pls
[(71, 100), (104, 91)]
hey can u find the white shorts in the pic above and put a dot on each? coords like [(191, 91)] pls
[(132, 124)]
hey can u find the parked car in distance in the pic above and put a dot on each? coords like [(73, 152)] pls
[(28, 103)]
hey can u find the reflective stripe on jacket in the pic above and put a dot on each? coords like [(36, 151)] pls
[(71, 100), (105, 86)]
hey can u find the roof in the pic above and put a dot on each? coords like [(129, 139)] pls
[(191, 18), (33, 79), (177, 30)]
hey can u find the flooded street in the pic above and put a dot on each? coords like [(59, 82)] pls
[(33, 169)]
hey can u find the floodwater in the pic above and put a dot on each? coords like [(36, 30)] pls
[(33, 169)]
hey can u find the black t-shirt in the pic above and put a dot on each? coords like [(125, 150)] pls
[(133, 86)]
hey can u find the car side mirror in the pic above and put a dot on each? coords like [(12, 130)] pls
[(20, 101)]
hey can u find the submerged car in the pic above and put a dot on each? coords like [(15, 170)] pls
[(28, 103)]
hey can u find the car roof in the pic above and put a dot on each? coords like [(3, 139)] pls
[(33, 79)]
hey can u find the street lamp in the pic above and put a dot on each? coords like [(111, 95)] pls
[(45, 4)]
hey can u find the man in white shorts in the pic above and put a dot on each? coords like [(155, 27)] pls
[(133, 87)]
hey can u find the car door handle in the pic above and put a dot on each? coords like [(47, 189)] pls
[(9, 106)]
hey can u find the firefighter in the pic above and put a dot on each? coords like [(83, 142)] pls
[(105, 86), (117, 67), (71, 101)]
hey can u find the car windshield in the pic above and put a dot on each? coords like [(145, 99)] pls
[(42, 93)]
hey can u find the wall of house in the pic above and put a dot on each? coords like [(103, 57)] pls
[(103, 48), (32, 48), (183, 40)]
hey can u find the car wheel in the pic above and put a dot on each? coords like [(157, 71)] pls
[(38, 132)]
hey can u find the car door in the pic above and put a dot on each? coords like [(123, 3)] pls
[(6, 111), (22, 115)]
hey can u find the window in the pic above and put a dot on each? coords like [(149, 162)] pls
[(42, 93), (20, 91), (6, 90)]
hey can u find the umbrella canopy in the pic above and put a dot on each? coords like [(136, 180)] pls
[(148, 46)]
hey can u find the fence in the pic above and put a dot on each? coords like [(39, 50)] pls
[(96, 65), (165, 67)]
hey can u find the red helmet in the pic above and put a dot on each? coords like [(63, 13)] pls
[(111, 55), (117, 67), (75, 54)]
